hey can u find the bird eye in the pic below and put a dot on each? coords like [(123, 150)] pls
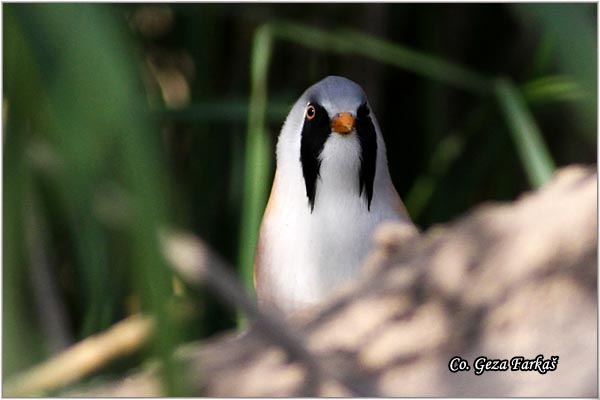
[(310, 112)]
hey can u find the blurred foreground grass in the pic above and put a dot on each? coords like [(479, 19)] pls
[(79, 138), (108, 136)]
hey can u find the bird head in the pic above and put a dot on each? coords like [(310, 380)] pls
[(330, 134)]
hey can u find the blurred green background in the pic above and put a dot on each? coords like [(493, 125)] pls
[(119, 119)]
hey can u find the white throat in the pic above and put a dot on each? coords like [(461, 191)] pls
[(338, 180)]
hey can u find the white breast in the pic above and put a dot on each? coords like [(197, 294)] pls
[(305, 256)]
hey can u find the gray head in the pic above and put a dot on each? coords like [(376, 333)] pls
[(336, 95)]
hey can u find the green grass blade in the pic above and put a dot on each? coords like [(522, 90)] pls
[(573, 28), (351, 42), (533, 152), (258, 156), (554, 88)]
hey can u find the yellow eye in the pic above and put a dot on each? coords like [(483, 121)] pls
[(310, 112)]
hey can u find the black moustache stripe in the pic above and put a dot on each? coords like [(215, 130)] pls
[(314, 135), (368, 146)]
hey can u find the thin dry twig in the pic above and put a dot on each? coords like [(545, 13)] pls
[(82, 358)]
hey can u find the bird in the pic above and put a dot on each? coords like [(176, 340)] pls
[(331, 189)]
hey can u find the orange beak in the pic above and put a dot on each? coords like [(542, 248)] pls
[(342, 123)]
